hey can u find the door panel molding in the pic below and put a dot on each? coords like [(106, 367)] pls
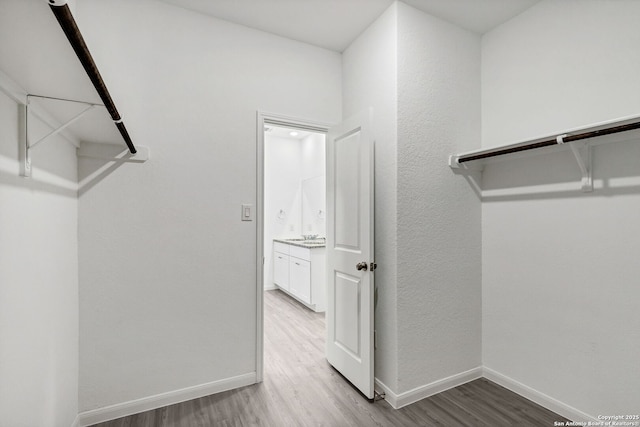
[(350, 202)]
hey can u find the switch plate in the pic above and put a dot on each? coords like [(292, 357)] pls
[(247, 212)]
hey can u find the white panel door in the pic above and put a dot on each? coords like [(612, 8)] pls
[(349, 313)]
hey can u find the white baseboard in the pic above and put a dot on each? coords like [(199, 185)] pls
[(397, 401), (124, 409), (541, 399)]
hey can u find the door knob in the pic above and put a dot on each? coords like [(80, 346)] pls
[(362, 266)]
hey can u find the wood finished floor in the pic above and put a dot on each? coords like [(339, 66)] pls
[(301, 389)]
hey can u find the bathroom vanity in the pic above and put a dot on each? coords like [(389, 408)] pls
[(299, 270)]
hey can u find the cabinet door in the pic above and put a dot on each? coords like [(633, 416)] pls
[(300, 279), (281, 270)]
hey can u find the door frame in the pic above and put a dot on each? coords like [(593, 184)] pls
[(263, 118)]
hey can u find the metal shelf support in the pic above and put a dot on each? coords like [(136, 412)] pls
[(583, 157), (28, 146)]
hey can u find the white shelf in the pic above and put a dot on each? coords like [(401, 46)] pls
[(578, 140)]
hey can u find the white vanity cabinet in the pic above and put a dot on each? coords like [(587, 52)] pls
[(300, 278), (281, 265), (300, 272)]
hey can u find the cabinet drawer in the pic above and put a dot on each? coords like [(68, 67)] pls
[(298, 252), (281, 247)]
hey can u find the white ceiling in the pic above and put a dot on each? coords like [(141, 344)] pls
[(478, 16), (334, 24)]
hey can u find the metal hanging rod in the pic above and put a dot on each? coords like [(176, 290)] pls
[(63, 14), (548, 142)]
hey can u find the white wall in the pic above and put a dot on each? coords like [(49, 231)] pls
[(167, 268), (314, 185), (282, 174), (560, 270), (439, 239), (313, 155), (421, 76), (369, 73), (287, 162), (38, 279)]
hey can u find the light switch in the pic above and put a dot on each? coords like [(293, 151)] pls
[(247, 212)]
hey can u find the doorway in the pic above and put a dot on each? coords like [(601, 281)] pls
[(291, 213), (346, 283), (294, 216)]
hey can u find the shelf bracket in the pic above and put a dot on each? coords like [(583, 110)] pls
[(28, 146), (63, 126), (583, 157), (461, 168), (453, 162)]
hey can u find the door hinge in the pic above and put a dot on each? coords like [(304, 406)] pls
[(373, 266)]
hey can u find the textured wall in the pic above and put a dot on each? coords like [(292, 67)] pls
[(369, 68), (167, 268), (439, 242), (560, 270)]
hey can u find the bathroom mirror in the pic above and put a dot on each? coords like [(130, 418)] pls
[(313, 201)]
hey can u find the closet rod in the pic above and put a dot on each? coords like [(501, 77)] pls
[(550, 142), (63, 14)]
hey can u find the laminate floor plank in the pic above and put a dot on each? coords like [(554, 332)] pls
[(301, 389)]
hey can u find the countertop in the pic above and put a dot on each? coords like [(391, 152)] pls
[(310, 244)]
